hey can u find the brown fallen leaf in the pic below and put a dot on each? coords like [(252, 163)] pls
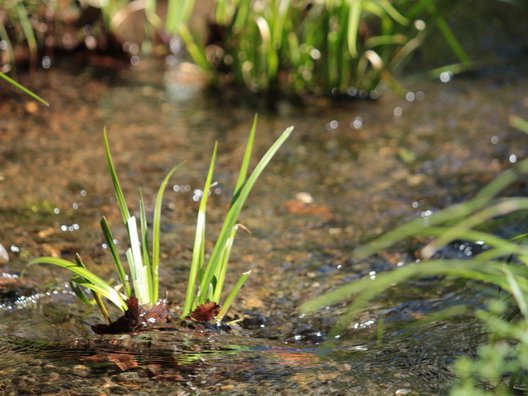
[(205, 312), (295, 206), (123, 361)]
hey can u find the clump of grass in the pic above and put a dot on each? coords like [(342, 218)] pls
[(206, 280), (328, 47), (503, 264), (141, 283)]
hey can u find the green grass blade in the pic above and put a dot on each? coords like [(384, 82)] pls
[(519, 123), (109, 238), (517, 293), (144, 244), (78, 281), (9, 48), (125, 214), (199, 241), (97, 297), (393, 12), (23, 89), (366, 289), (156, 222), (93, 281), (452, 213), (232, 295), (354, 19), (242, 176), (497, 209), (141, 284), (25, 23), (446, 31), (74, 284), (222, 267), (234, 211)]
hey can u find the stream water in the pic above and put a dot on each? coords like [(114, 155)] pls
[(350, 171)]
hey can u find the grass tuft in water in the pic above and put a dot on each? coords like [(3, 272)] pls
[(329, 47), (206, 280), (138, 290), (503, 263)]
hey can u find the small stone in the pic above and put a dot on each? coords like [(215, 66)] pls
[(54, 376), (4, 257), (403, 391), (81, 370)]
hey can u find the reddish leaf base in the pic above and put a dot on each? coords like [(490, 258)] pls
[(136, 318), (205, 312)]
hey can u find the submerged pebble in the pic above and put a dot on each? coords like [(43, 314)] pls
[(81, 370), (4, 256)]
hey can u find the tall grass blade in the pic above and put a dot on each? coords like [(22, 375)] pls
[(97, 297), (519, 123), (366, 289), (125, 214), (143, 226), (354, 19), (450, 214), (141, 284), (242, 176), (222, 266), (199, 241), (495, 209), (93, 281), (109, 238), (229, 300), (516, 291), (156, 223), (233, 213), (28, 31), (23, 89)]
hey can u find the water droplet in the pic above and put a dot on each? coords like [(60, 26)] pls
[(357, 123), (315, 54), (446, 76), (332, 125), (397, 112), (410, 97), (46, 62), (420, 25)]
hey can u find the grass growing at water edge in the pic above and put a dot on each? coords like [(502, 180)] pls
[(503, 263), (206, 280)]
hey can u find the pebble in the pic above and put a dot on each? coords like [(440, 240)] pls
[(403, 391), (81, 370), (4, 257)]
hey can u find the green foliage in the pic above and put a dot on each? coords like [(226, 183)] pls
[(144, 269), (326, 47), (501, 363), (206, 282), (23, 89)]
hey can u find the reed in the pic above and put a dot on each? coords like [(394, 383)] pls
[(206, 279)]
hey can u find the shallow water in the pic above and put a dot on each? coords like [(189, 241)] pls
[(367, 166)]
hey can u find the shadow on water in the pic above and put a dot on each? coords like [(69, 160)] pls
[(349, 172)]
